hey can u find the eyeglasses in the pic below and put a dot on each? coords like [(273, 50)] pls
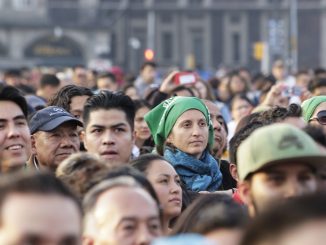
[(320, 118)]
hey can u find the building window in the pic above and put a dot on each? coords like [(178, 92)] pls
[(167, 46), (25, 4), (198, 49), (236, 49)]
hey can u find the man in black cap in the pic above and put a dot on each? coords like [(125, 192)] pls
[(54, 137)]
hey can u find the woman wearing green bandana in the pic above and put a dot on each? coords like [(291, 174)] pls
[(183, 134)]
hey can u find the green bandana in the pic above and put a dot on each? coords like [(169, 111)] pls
[(162, 118), (309, 106)]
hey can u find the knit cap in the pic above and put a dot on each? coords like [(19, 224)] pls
[(310, 105), (162, 118)]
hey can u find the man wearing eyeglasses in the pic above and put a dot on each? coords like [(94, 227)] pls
[(314, 111)]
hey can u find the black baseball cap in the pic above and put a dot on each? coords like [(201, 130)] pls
[(49, 118)]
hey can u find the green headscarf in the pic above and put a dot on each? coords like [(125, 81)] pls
[(162, 118), (309, 106)]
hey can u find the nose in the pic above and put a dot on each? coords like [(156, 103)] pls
[(108, 138), (175, 188), (293, 189), (144, 236), (217, 125), (67, 141), (13, 131)]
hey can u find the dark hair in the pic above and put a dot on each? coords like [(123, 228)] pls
[(41, 183), (107, 75), (140, 104), (239, 137), (9, 93), (49, 80), (284, 217), (230, 77), (210, 212), (143, 162), (277, 113), (109, 100), (253, 117), (317, 82), (316, 133), (240, 97), (63, 97), (139, 177), (148, 63), (181, 88), (81, 171)]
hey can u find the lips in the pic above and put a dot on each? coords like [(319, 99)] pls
[(109, 154), (175, 200), (14, 147)]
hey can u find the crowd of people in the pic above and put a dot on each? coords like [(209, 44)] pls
[(98, 158)]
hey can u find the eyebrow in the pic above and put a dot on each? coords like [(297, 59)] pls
[(111, 126), (19, 117), (133, 219)]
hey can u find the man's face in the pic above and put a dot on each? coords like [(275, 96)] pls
[(77, 106), (35, 219), (124, 222), (80, 77), (107, 83), (276, 183), (51, 148), (220, 135), (15, 144), (148, 74), (109, 135)]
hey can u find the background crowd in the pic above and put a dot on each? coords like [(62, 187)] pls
[(102, 157)]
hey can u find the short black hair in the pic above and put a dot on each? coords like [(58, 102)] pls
[(110, 100), (63, 97), (211, 212), (49, 80), (285, 217), (9, 93), (109, 75), (239, 137), (148, 63), (42, 183), (140, 104)]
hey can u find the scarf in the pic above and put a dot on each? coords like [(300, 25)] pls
[(198, 174)]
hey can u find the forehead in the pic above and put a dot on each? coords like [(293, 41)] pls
[(320, 107), (191, 115), (158, 167), (44, 210), (114, 204), (288, 168), (9, 109), (212, 108), (78, 100), (107, 117)]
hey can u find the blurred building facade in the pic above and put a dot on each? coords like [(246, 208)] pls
[(202, 33)]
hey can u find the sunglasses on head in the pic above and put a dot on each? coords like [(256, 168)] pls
[(320, 118)]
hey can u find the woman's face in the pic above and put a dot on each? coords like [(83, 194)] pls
[(141, 128), (237, 85), (201, 89), (190, 133), (166, 183), (240, 109)]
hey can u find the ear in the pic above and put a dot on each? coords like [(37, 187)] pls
[(245, 192), (83, 138), (86, 240), (33, 144), (169, 139), (234, 171)]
